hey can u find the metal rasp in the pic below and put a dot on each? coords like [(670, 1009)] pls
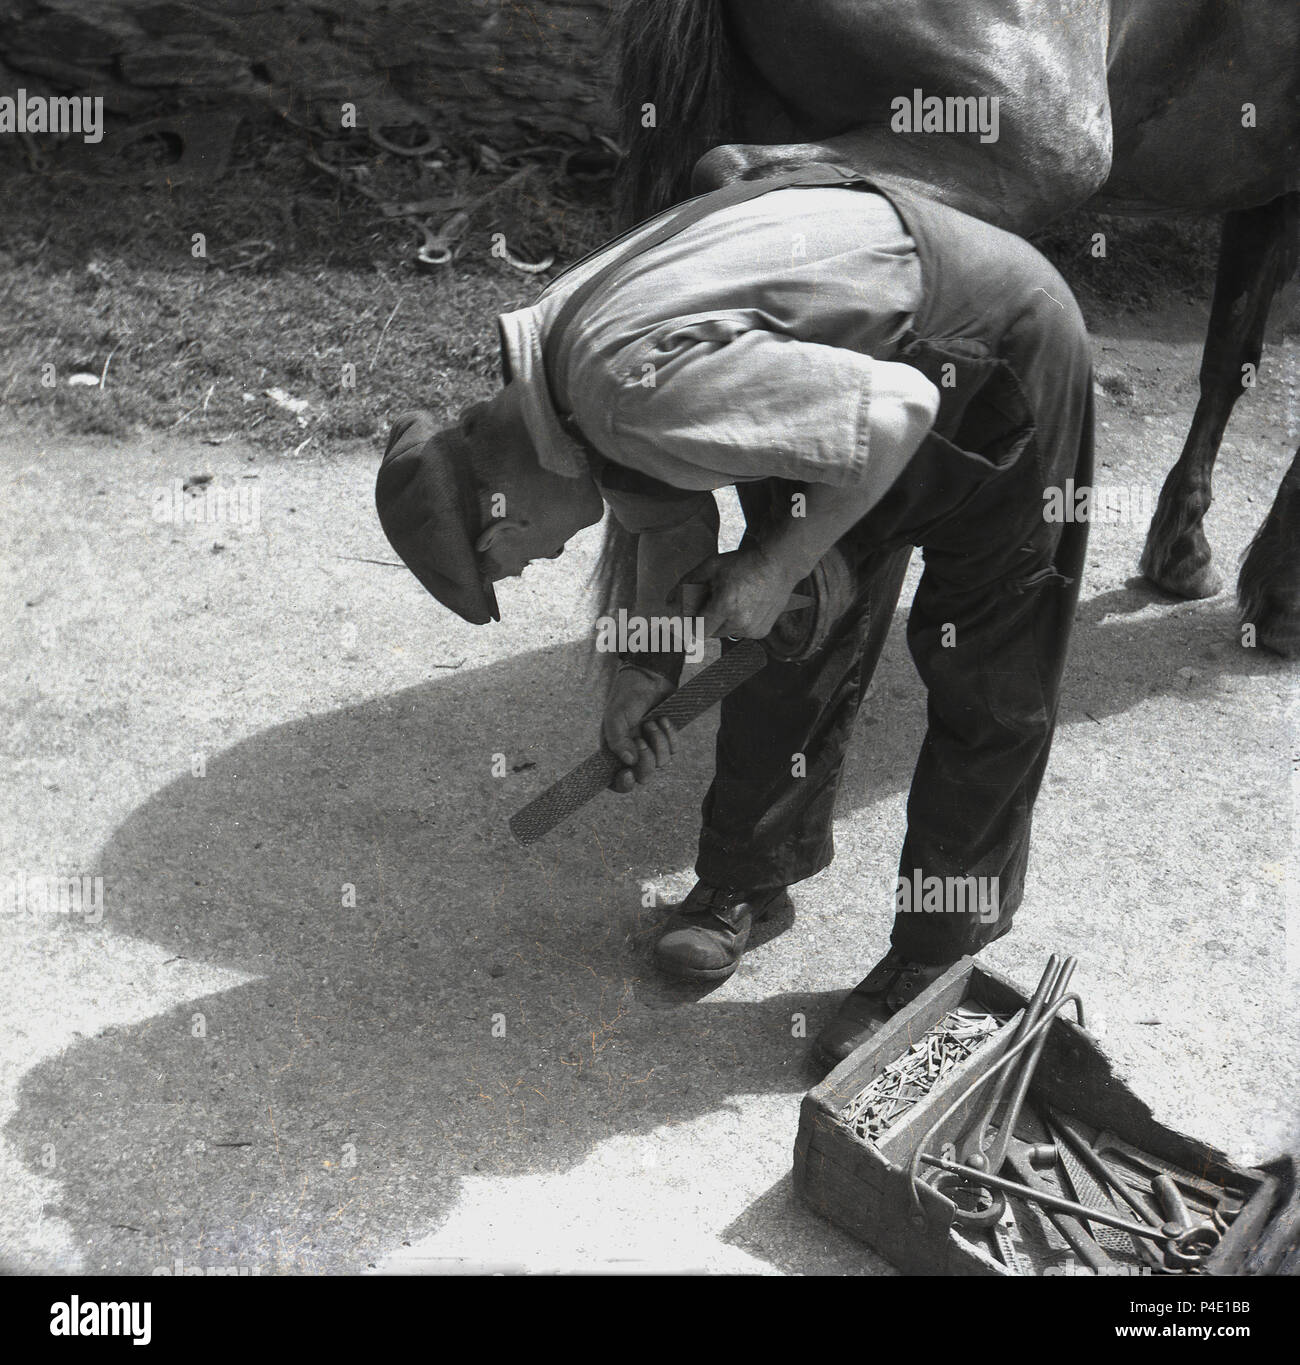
[(593, 775), (1006, 1237), (1088, 1190), (1074, 1232)]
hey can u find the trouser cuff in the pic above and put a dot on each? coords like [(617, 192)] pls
[(939, 939), (747, 870)]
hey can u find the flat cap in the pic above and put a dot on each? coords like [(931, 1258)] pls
[(428, 505)]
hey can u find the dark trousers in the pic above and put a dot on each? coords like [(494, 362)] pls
[(988, 630)]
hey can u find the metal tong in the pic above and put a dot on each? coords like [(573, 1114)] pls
[(976, 1150), (1184, 1246), (977, 1153)]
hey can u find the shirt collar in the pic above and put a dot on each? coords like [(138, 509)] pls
[(521, 357)]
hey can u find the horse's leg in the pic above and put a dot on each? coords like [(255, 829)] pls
[(1177, 554), (1269, 587)]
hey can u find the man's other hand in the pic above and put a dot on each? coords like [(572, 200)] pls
[(748, 591), (642, 746)]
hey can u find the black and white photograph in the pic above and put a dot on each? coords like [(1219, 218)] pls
[(650, 638)]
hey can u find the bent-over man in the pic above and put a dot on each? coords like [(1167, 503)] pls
[(872, 371)]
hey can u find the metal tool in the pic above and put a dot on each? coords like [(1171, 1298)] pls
[(593, 775), (1087, 1190), (976, 1151), (595, 772), (1075, 1232), (1186, 1243), (1202, 1198), (1190, 1241), (1070, 1131), (1039, 1194), (972, 1149), (1171, 1201), (1011, 1054), (1006, 1238), (1205, 1191), (1183, 1247)]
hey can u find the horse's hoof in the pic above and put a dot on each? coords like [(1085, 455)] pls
[(1278, 631), (1186, 579), (1283, 640)]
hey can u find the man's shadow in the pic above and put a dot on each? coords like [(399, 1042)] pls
[(429, 1000)]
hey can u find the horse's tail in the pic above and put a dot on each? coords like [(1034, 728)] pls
[(674, 95), (674, 100)]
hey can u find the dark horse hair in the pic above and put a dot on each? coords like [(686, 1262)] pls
[(674, 55), (1268, 585), (1269, 568)]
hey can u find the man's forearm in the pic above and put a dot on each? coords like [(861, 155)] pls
[(799, 542), (900, 415)]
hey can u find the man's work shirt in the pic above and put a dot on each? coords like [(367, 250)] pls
[(753, 344)]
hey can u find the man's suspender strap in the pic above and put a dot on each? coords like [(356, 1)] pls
[(675, 221)]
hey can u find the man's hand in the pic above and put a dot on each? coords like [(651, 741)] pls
[(642, 747), (748, 591)]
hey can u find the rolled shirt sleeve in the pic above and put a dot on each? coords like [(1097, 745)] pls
[(712, 399)]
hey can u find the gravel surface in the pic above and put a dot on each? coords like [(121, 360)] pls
[(334, 1018)]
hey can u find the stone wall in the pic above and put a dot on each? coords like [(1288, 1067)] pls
[(487, 66)]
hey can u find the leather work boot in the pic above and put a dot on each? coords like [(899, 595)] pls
[(893, 982), (702, 939)]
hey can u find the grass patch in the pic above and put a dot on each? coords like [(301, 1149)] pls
[(304, 275)]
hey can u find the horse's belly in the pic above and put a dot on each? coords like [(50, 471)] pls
[(1205, 103), (843, 64)]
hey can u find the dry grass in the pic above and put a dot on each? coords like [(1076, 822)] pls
[(96, 275), (304, 275)]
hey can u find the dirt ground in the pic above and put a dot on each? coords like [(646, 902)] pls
[(333, 1018)]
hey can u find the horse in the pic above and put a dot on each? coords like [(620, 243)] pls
[(1130, 106)]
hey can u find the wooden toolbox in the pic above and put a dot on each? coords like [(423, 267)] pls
[(863, 1185)]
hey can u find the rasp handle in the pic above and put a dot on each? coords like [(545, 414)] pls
[(708, 687)]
